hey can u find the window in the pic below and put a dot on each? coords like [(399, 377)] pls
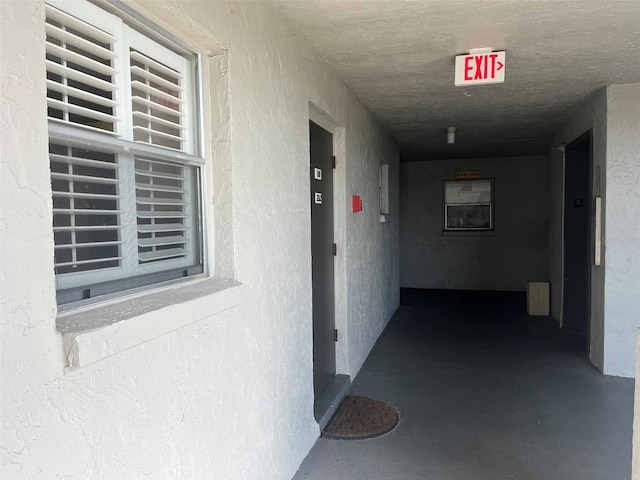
[(468, 205), (124, 156)]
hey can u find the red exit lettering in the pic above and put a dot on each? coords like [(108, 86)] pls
[(481, 67)]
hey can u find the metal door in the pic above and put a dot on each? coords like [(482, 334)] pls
[(577, 235), (324, 357)]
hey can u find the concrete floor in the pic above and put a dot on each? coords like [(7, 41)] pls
[(484, 393)]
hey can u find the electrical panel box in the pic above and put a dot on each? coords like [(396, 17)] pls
[(384, 189)]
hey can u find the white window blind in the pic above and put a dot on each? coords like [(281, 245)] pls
[(162, 205), (157, 103), (86, 211), (81, 72), (124, 206)]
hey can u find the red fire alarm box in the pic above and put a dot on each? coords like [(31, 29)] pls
[(356, 203)]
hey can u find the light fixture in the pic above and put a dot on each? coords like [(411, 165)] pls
[(451, 135)]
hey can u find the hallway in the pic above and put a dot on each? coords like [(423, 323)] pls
[(484, 392)]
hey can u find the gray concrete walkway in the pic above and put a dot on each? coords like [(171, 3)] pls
[(484, 393)]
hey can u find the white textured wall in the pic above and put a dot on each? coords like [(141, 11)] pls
[(229, 396), (592, 115), (613, 113), (372, 256), (622, 276), (503, 260)]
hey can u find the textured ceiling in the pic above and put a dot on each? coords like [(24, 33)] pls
[(398, 58)]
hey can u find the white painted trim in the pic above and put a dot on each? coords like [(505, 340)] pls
[(340, 234), (218, 174), (316, 115), (564, 178), (73, 136), (597, 250), (323, 119)]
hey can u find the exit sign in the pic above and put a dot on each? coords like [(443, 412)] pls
[(480, 68)]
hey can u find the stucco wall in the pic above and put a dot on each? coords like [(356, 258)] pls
[(613, 114), (592, 115), (622, 282), (372, 251), (229, 396), (504, 260)]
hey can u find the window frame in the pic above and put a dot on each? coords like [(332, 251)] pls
[(194, 159), (447, 228)]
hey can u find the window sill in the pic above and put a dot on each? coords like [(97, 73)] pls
[(100, 331), (468, 233)]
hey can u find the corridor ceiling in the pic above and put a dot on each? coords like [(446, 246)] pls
[(398, 58)]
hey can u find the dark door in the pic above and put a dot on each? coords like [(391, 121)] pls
[(577, 234), (324, 357)]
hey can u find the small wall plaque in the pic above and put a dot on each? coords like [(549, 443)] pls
[(467, 174)]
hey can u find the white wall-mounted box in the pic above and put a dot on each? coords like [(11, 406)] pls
[(538, 299)]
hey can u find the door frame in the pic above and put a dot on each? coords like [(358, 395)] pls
[(322, 261), (321, 118), (589, 136)]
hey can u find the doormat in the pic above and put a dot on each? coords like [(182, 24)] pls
[(361, 417)]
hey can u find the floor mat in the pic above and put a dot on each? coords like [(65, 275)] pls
[(361, 417)]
